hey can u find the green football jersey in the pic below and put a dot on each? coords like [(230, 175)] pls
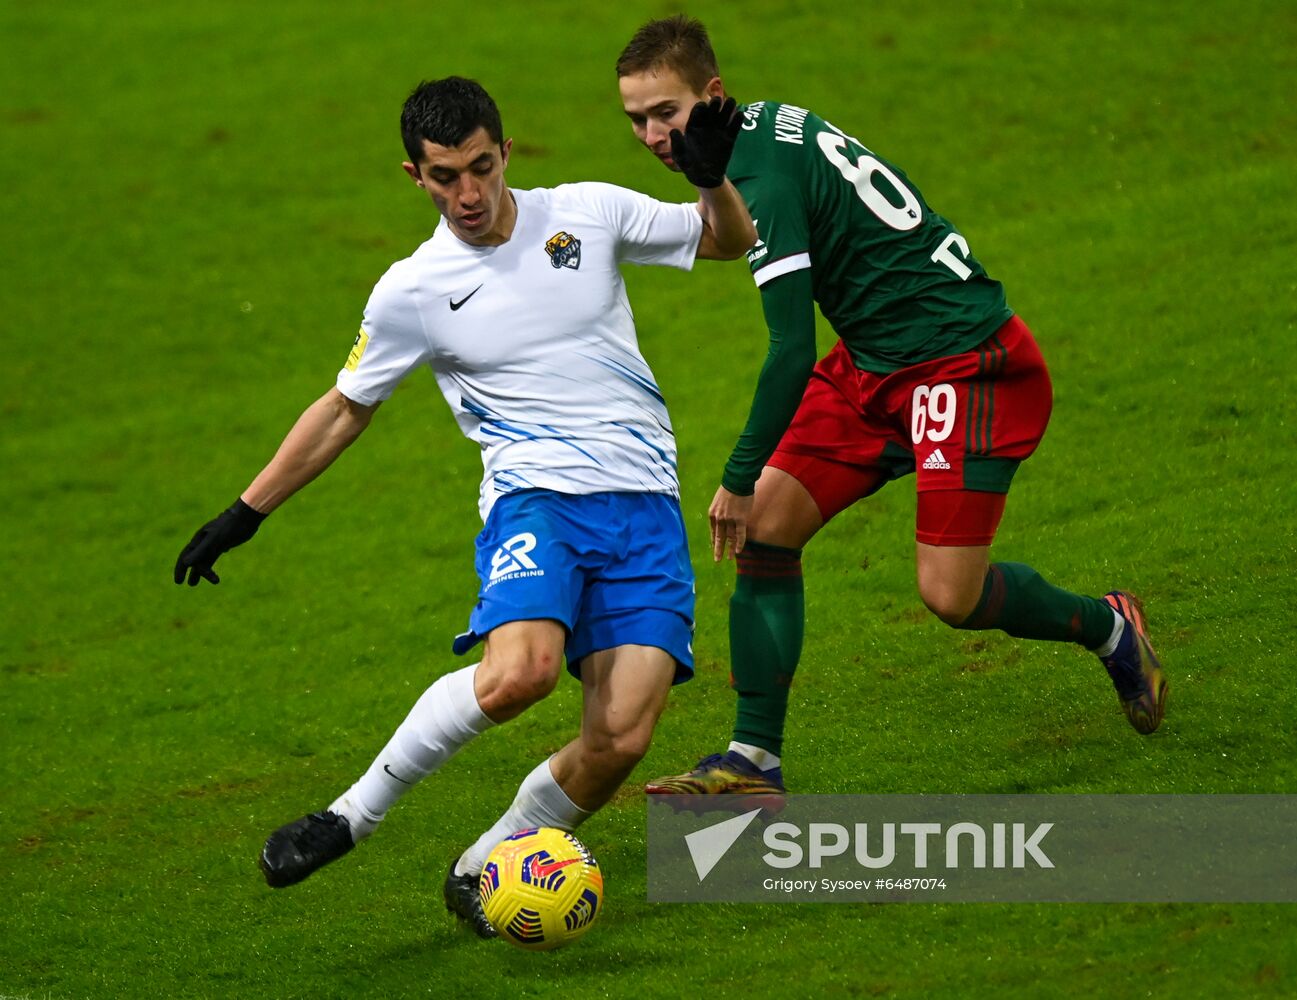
[(895, 280)]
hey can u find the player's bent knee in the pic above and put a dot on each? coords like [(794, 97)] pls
[(517, 684), (783, 512), (951, 605)]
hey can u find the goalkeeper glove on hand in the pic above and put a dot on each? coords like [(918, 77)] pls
[(231, 527), (702, 151)]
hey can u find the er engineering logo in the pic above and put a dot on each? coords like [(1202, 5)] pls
[(513, 559), (875, 846)]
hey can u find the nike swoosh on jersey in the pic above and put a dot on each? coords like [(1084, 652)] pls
[(455, 305)]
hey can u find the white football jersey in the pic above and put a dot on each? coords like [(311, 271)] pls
[(533, 342)]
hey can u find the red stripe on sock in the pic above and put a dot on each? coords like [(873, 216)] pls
[(762, 561)]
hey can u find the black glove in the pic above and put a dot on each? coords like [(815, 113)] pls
[(702, 151), (230, 528)]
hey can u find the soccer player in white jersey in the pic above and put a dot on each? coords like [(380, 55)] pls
[(517, 305)]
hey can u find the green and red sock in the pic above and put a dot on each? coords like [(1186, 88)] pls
[(767, 620), (1018, 600)]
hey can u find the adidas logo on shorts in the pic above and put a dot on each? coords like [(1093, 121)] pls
[(936, 460)]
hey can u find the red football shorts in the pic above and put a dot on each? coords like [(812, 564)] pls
[(962, 423)]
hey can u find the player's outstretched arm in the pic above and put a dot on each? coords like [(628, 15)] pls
[(702, 152), (789, 306), (321, 434)]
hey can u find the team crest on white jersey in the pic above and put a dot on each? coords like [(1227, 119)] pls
[(513, 559), (564, 250)]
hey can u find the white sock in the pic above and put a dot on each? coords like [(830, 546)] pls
[(445, 718), (540, 801), (763, 759), (1118, 629)]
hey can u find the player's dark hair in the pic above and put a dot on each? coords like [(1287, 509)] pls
[(446, 112), (679, 43)]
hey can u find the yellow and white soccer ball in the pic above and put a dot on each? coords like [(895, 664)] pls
[(541, 889)]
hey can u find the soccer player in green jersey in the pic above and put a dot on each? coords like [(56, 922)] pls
[(933, 374)]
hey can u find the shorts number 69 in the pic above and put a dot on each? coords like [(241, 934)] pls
[(932, 412)]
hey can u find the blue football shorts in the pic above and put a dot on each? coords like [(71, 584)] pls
[(612, 568)]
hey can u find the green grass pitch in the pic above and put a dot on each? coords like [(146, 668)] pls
[(196, 200)]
